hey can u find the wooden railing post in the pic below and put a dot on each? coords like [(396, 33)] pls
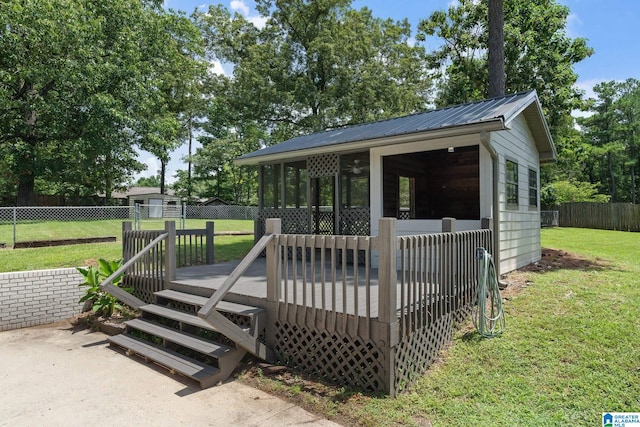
[(273, 226), (126, 245), (170, 253), (387, 271), (387, 298), (209, 242), (448, 225)]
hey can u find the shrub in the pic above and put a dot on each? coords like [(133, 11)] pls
[(102, 303)]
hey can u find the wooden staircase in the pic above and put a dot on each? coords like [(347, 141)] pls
[(170, 334)]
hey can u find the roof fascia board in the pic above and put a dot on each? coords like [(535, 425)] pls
[(532, 103), (486, 126)]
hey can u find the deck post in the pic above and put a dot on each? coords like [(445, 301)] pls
[(170, 253), (448, 225), (209, 243), (387, 298), (126, 249), (272, 226)]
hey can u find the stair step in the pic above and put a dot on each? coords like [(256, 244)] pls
[(208, 348), (172, 360), (196, 300), (179, 316)]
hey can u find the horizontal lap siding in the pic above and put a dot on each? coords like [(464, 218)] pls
[(519, 226)]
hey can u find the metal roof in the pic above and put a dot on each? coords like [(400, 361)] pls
[(499, 111)]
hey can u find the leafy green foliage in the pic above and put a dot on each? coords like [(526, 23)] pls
[(81, 84), (538, 54), (315, 65), (558, 192), (611, 135), (102, 302)]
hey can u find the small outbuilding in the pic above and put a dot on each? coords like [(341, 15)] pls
[(472, 162), (153, 203)]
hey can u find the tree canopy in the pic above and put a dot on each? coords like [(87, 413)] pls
[(81, 84), (84, 84), (538, 54)]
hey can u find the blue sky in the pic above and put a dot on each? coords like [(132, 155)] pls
[(611, 28)]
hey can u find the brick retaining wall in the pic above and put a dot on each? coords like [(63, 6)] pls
[(30, 298)]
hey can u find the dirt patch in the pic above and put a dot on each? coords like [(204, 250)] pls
[(62, 242), (112, 325), (552, 260)]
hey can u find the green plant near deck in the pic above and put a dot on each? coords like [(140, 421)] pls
[(102, 303)]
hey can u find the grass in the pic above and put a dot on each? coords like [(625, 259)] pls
[(571, 350), (226, 247), (51, 230)]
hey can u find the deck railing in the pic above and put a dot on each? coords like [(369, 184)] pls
[(419, 277), (438, 275), (318, 278), (181, 248)]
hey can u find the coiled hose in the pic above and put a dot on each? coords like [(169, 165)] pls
[(487, 313)]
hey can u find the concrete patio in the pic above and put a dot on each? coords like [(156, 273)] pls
[(52, 375)]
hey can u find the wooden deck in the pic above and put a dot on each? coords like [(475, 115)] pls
[(206, 279)]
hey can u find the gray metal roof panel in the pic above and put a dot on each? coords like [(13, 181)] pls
[(449, 117)]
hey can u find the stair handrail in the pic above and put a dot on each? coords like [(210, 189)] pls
[(124, 296), (210, 307)]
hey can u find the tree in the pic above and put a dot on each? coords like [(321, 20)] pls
[(612, 134), (538, 54), (316, 65), (556, 193), (79, 88), (148, 181), (496, 49)]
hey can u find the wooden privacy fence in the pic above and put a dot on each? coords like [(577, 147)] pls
[(180, 248), (605, 216)]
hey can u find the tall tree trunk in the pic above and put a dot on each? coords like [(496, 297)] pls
[(27, 159), (26, 193), (163, 170), (633, 184), (189, 158), (497, 78), (612, 176)]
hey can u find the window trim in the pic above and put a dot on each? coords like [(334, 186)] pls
[(511, 185), (534, 188)]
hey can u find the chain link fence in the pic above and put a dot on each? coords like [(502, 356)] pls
[(36, 224)]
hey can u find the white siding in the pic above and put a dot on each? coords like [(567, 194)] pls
[(519, 226)]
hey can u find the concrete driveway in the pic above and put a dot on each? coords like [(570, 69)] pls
[(54, 376)]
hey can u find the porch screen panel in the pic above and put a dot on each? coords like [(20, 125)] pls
[(271, 190), (444, 183)]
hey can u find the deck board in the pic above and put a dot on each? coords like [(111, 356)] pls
[(254, 284)]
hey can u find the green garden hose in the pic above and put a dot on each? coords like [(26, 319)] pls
[(487, 313)]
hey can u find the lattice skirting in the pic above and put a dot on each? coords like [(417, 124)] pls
[(416, 352), (143, 287), (356, 362)]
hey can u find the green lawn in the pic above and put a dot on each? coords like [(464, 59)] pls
[(226, 247), (571, 350)]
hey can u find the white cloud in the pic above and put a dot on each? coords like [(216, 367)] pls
[(250, 15), (239, 5), (574, 24), (152, 163), (216, 68), (587, 87), (258, 21)]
